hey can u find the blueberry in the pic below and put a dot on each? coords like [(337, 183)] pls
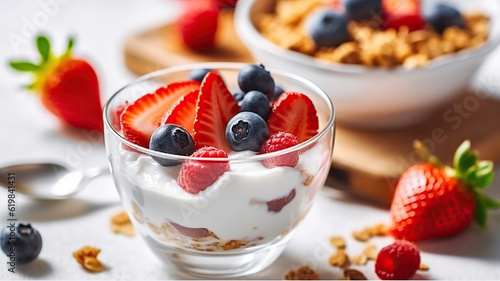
[(441, 16), (362, 9), (24, 239), (278, 90), (256, 77), (327, 28), (246, 131), (198, 74), (256, 102), (238, 97), (173, 139)]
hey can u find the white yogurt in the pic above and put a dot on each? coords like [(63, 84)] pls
[(233, 208)]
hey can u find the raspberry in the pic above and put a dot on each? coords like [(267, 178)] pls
[(279, 141), (400, 260), (197, 175)]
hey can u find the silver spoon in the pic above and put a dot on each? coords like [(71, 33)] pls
[(48, 181)]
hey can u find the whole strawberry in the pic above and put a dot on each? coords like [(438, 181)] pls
[(435, 201), (68, 87), (198, 25), (398, 13), (223, 4)]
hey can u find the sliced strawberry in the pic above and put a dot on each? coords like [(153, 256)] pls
[(116, 117), (294, 113), (184, 111), (141, 118), (399, 13), (276, 205), (216, 106), (192, 232)]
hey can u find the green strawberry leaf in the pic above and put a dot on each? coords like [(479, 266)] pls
[(480, 212), (463, 158), (43, 46), (71, 43), (480, 175), (24, 66), (69, 48), (491, 203), (484, 174), (31, 86)]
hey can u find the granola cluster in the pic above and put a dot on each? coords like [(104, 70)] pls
[(120, 223), (370, 45)]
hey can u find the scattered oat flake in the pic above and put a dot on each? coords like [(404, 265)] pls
[(354, 274), (87, 257), (359, 259), (423, 267), (362, 236), (338, 242), (303, 272), (380, 229), (368, 232), (370, 251), (93, 264), (339, 258), (120, 223)]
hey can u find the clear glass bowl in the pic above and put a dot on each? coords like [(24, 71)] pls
[(240, 224)]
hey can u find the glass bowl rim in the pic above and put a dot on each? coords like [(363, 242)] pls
[(221, 66)]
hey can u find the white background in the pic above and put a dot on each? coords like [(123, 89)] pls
[(29, 133)]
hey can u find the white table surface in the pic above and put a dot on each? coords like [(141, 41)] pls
[(29, 133)]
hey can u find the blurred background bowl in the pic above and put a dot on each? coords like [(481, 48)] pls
[(375, 97)]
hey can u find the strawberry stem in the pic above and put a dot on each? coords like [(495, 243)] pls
[(425, 154)]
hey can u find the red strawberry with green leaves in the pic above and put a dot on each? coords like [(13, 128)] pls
[(223, 4), (398, 13), (215, 107), (68, 87), (435, 201), (140, 119), (197, 25), (294, 113)]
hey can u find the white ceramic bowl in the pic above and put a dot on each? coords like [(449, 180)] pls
[(375, 97)]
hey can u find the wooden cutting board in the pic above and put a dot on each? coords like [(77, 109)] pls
[(365, 163), (368, 163)]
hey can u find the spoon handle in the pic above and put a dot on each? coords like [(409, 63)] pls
[(95, 172)]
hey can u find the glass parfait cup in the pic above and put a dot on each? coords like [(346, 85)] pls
[(241, 223)]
